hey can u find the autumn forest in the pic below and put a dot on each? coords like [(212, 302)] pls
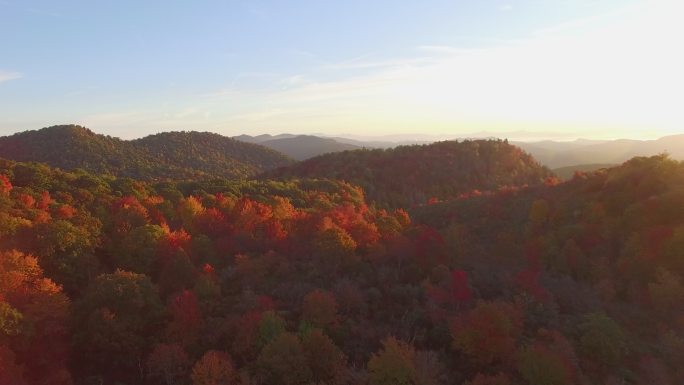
[(195, 259)]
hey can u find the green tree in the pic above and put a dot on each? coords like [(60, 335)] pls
[(667, 293), (394, 364), (602, 341), (283, 361), (539, 366), (325, 359), (116, 321), (270, 327), (10, 320), (66, 252), (138, 249)]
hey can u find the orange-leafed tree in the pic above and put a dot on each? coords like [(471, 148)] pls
[(214, 368), (5, 185), (33, 322)]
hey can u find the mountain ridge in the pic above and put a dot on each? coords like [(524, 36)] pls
[(72, 146)]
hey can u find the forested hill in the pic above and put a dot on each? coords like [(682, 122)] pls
[(299, 147), (106, 281), (409, 175), (212, 153), (177, 155)]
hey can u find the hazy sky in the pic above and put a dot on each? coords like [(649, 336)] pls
[(556, 69)]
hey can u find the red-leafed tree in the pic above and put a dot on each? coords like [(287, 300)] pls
[(430, 250), (212, 222), (168, 363), (485, 379), (460, 291), (5, 185), (320, 309), (489, 333), (528, 281), (128, 213), (246, 333), (186, 319), (11, 373)]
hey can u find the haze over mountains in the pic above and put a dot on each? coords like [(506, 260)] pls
[(561, 154), (551, 153), (187, 155), (300, 147)]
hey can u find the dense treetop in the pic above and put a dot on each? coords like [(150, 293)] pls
[(107, 280)]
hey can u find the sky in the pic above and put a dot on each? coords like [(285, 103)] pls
[(527, 69)]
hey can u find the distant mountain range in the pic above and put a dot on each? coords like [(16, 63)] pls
[(169, 155), (565, 173), (190, 155), (579, 154), (300, 147)]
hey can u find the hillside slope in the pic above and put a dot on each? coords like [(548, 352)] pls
[(409, 175), (179, 155), (211, 153), (608, 244)]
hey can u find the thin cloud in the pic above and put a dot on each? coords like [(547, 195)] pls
[(505, 8), (366, 63), (610, 75), (294, 80), (7, 76), (565, 80), (448, 50)]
